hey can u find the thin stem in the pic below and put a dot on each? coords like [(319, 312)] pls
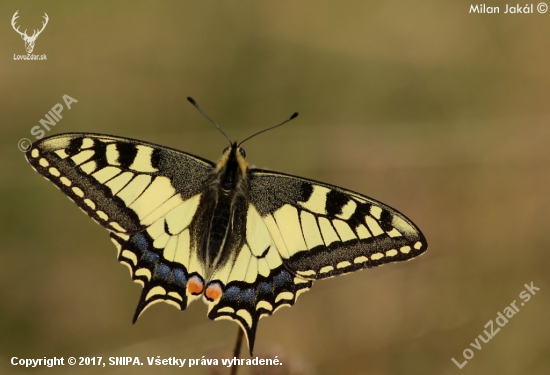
[(237, 351)]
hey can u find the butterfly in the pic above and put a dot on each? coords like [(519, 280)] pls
[(248, 241)]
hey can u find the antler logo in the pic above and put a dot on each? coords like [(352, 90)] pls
[(29, 40)]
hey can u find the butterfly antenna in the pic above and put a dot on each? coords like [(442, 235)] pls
[(192, 101), (294, 115)]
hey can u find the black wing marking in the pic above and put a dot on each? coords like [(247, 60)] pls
[(323, 230)]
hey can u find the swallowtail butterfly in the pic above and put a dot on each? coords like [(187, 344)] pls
[(248, 241)]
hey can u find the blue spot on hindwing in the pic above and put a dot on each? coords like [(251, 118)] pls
[(249, 296), (162, 271), (179, 277), (140, 241), (264, 288), (150, 257), (281, 278), (231, 293)]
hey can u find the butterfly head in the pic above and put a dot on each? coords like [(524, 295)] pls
[(232, 164)]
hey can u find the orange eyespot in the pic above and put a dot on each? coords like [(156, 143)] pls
[(195, 285), (213, 292)]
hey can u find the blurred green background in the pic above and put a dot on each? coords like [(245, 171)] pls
[(437, 112)]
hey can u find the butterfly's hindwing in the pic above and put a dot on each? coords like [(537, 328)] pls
[(323, 231), (163, 279), (253, 282), (245, 303)]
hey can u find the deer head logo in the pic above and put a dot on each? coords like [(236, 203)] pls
[(29, 40)]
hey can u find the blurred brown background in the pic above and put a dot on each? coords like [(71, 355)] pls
[(437, 112)]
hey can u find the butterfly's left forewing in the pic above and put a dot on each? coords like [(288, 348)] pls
[(145, 195), (323, 231)]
